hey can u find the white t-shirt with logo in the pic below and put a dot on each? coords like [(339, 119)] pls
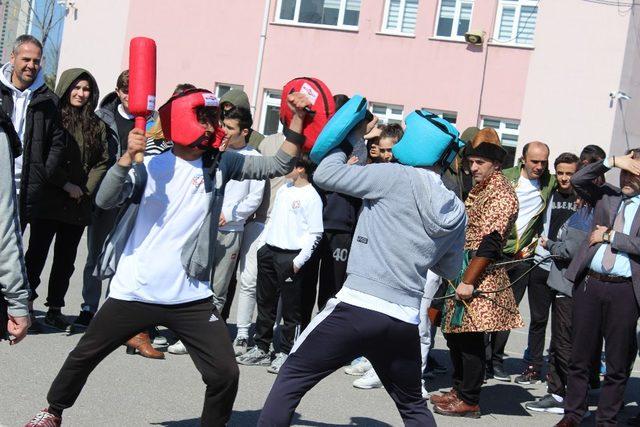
[(530, 200), (296, 213), (173, 207)]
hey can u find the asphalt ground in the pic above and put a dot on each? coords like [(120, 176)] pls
[(129, 390)]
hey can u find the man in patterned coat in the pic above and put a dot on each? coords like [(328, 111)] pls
[(483, 301)]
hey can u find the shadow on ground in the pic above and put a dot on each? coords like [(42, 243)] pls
[(250, 418)]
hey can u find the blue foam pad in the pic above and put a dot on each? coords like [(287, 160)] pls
[(338, 127), (428, 140)]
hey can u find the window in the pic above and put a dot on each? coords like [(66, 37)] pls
[(387, 114), (270, 120), (400, 16), (450, 116), (222, 88), (330, 13), (454, 17), (516, 22), (508, 130)]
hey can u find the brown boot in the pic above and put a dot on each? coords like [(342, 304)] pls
[(444, 398), (458, 408), (142, 343)]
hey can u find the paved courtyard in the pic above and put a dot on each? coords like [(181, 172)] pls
[(132, 391)]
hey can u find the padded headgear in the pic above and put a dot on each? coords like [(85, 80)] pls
[(337, 129), (180, 123), (321, 110), (428, 140)]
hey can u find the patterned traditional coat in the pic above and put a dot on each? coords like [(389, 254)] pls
[(491, 206)]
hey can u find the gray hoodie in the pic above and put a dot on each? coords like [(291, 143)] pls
[(13, 280), (410, 223)]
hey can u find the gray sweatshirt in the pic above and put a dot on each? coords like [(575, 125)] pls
[(410, 223), (198, 253), (13, 279)]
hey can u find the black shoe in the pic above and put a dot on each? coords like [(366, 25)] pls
[(57, 320), (434, 366), (529, 377), (82, 321), (547, 404), (500, 375), (634, 421)]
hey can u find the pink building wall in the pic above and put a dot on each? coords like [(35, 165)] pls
[(205, 42), (93, 38), (576, 64)]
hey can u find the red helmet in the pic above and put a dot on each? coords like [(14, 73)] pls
[(180, 123)]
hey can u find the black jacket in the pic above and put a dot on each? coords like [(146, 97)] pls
[(86, 155), (43, 173)]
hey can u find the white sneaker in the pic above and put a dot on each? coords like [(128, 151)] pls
[(177, 348), (358, 367), (369, 380), (277, 363)]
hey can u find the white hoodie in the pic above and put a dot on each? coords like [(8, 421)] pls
[(21, 100)]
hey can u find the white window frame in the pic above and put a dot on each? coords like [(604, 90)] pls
[(441, 113), (267, 101), (388, 115), (456, 20), (296, 17), (512, 40), (230, 85), (504, 130), (385, 19)]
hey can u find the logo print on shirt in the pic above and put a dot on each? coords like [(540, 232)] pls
[(363, 240), (213, 318), (198, 184), (295, 204)]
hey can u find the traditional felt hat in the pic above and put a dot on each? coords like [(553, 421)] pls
[(486, 143)]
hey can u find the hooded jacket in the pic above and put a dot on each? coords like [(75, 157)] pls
[(86, 161), (409, 224), (239, 98), (40, 171), (107, 113)]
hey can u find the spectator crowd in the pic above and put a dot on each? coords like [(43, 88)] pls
[(454, 245)]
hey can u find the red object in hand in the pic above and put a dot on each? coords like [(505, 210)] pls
[(317, 115), (142, 81)]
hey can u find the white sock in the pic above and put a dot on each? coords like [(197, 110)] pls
[(558, 399)]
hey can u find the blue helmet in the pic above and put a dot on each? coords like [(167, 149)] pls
[(428, 140)]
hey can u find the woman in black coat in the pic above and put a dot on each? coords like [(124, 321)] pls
[(66, 211)]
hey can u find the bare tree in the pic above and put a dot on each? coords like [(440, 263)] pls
[(44, 17)]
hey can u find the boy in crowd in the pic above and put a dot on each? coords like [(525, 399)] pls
[(238, 98), (561, 205), (241, 199), (291, 236), (381, 140)]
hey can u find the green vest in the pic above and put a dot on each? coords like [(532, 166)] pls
[(516, 243)]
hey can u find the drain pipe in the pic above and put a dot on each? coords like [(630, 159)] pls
[(263, 40)]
